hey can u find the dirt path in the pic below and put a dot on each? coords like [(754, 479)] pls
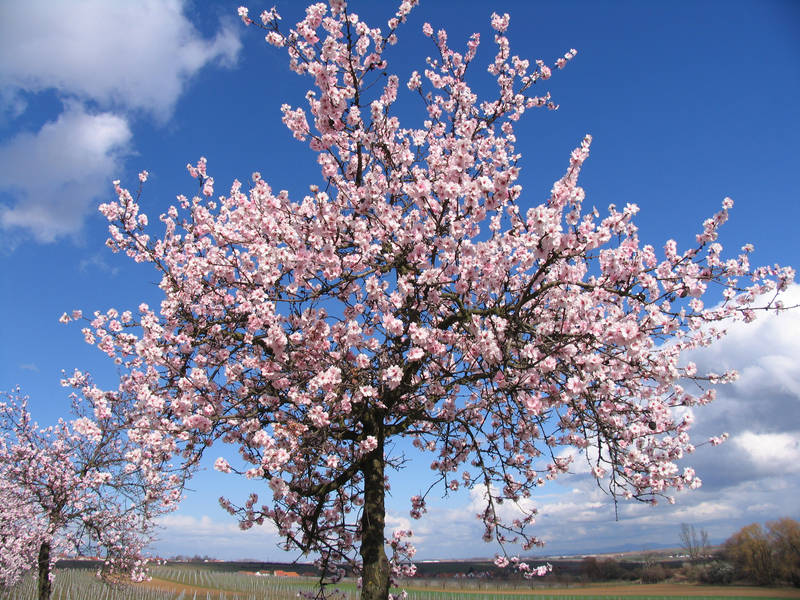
[(165, 585), (174, 587)]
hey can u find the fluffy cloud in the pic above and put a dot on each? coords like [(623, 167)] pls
[(761, 410), (136, 55), (186, 534), (56, 172), (125, 59), (773, 453)]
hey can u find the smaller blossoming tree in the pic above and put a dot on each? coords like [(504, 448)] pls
[(19, 525), (78, 486)]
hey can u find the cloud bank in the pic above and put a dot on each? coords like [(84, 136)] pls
[(190, 535)]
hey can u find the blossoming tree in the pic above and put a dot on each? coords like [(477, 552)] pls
[(78, 486), (415, 293), (19, 525)]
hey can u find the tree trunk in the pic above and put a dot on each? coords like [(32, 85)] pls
[(45, 587), (375, 572)]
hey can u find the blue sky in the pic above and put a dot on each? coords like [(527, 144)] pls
[(687, 102)]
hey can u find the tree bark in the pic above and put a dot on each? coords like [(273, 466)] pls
[(375, 571), (45, 587)]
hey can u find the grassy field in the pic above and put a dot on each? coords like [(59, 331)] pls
[(192, 580), (186, 582)]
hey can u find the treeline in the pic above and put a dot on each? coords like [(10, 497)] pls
[(755, 554), (768, 555), (762, 555)]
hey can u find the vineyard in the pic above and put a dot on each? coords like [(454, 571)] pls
[(199, 583), (170, 583), (81, 584)]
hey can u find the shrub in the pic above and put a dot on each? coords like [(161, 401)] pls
[(716, 573), (653, 573)]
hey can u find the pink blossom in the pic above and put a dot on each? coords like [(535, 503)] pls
[(222, 465), (392, 376), (415, 354), (500, 23), (717, 440), (368, 444)]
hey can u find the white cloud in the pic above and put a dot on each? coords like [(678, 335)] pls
[(127, 58), (575, 510), (772, 452), (137, 55), (761, 410), (97, 261), (56, 172), (189, 535), (705, 510), (188, 525)]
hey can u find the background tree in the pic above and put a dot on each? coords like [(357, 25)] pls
[(767, 555), (78, 486), (784, 536), (652, 570), (416, 295), (750, 550), (606, 569), (717, 572), (19, 525), (694, 542)]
